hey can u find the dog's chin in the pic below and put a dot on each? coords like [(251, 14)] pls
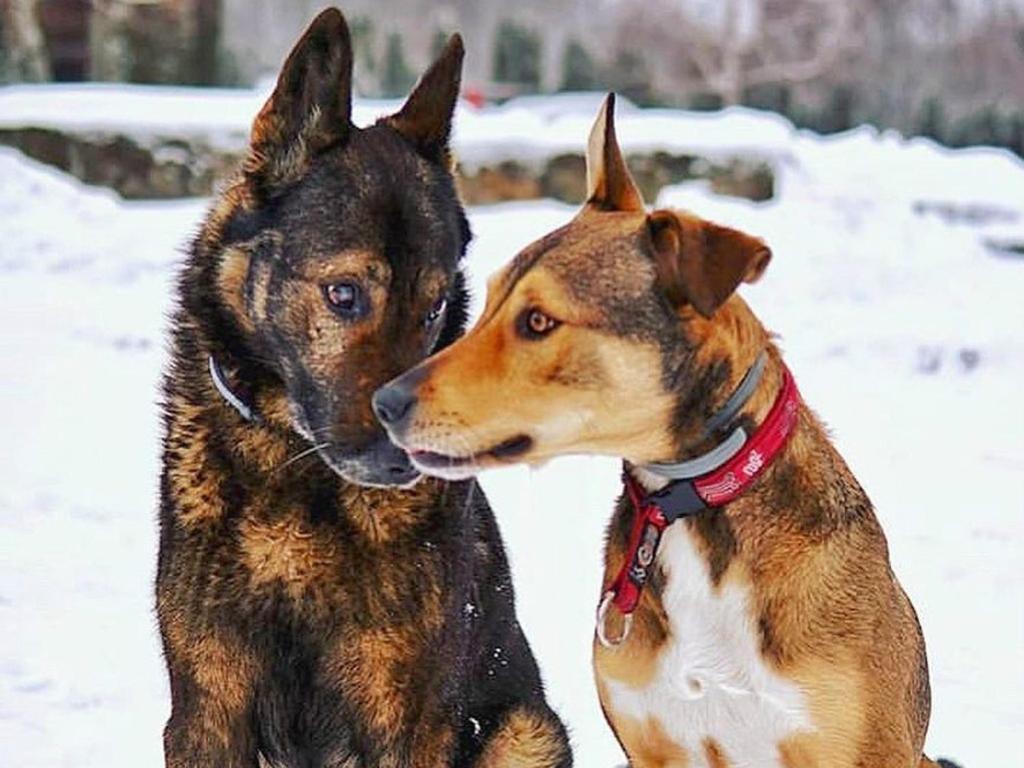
[(369, 472), (461, 467)]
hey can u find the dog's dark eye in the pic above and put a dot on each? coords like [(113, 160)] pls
[(436, 311), (346, 300), (534, 324)]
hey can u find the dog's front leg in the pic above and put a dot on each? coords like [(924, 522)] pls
[(527, 737), (211, 724), (204, 734)]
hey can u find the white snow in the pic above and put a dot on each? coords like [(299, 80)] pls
[(528, 129), (900, 323)]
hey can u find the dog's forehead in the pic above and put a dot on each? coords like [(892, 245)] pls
[(374, 195), (362, 262), (592, 256)]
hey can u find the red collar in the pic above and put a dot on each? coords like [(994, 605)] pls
[(654, 512)]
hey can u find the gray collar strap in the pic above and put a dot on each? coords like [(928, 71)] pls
[(728, 448), (244, 409)]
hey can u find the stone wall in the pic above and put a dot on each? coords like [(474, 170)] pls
[(155, 169), (188, 167), (564, 177)]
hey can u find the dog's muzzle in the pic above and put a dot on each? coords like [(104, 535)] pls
[(379, 465)]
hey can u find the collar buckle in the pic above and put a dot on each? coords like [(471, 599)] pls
[(678, 499)]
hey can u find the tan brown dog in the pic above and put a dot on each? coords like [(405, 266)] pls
[(751, 616)]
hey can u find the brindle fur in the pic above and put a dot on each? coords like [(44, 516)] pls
[(658, 341), (309, 620)]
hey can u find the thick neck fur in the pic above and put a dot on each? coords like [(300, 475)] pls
[(822, 496), (204, 326), (726, 347), (730, 343)]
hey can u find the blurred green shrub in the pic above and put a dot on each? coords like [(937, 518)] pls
[(517, 56)]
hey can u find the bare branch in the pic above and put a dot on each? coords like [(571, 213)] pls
[(760, 42)]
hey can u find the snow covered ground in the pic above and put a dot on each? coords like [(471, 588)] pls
[(900, 319)]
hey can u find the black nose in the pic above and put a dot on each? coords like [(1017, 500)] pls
[(392, 404)]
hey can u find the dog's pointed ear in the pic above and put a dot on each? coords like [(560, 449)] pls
[(610, 187), (311, 106), (426, 117), (702, 263)]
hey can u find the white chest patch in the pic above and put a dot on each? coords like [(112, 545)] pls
[(711, 682)]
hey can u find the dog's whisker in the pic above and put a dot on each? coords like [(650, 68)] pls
[(302, 454), (303, 468), (474, 463)]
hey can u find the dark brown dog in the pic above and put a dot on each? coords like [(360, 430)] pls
[(766, 629), (312, 614)]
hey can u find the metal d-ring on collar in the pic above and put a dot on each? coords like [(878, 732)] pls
[(602, 616), (245, 410), (725, 450)]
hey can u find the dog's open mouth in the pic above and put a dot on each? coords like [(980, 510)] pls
[(508, 449)]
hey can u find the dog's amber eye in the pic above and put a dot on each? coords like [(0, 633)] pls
[(436, 311), (346, 300), (534, 324)]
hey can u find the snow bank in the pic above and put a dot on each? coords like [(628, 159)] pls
[(527, 129)]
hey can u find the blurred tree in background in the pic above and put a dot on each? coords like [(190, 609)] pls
[(23, 55), (947, 69), (397, 77), (726, 49), (630, 75), (952, 70), (438, 43), (517, 56), (364, 73), (579, 73), (156, 31)]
